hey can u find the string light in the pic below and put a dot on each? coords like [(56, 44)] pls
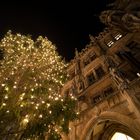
[(32, 74), (25, 121), (7, 111), (32, 96), (6, 97), (3, 104), (36, 107), (40, 116), (2, 85), (43, 102), (56, 98)]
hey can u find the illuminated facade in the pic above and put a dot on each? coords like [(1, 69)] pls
[(105, 77)]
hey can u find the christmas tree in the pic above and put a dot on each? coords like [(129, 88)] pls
[(31, 77)]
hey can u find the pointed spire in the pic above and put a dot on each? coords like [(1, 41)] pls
[(76, 53), (77, 60), (92, 38)]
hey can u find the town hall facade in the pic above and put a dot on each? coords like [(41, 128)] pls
[(105, 78)]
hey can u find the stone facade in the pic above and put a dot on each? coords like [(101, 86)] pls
[(105, 78)]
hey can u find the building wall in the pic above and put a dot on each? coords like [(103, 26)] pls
[(104, 78)]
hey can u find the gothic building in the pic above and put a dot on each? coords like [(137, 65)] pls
[(105, 78)]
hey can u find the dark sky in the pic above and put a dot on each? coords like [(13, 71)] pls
[(67, 24)]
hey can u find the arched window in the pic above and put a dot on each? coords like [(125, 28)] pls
[(121, 136)]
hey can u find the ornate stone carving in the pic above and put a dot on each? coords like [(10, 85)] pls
[(79, 78), (119, 79), (122, 16)]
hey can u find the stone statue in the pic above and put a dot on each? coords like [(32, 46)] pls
[(119, 78), (126, 17), (109, 62)]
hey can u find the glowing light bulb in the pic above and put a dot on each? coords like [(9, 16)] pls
[(6, 97), (3, 104), (40, 116), (77, 113), (25, 121), (6, 88), (2, 85), (14, 87), (48, 105), (32, 89), (56, 98), (43, 102), (138, 74), (27, 116), (32, 96)]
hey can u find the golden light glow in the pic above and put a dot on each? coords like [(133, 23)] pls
[(121, 136), (25, 121), (31, 77)]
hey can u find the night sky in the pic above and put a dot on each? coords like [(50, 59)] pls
[(67, 24)]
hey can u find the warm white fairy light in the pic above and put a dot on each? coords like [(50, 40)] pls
[(26, 120), (32, 75), (14, 87), (138, 74), (32, 103), (6, 88), (48, 105), (21, 98), (37, 104), (77, 113), (40, 116), (32, 96), (6, 96), (56, 98), (2, 85), (32, 89), (3, 104), (43, 102)]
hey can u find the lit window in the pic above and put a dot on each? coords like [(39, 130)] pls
[(110, 43), (138, 74), (121, 136), (118, 36)]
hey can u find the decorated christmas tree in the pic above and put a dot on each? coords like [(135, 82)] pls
[(31, 77)]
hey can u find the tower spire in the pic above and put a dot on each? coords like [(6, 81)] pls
[(76, 53)]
